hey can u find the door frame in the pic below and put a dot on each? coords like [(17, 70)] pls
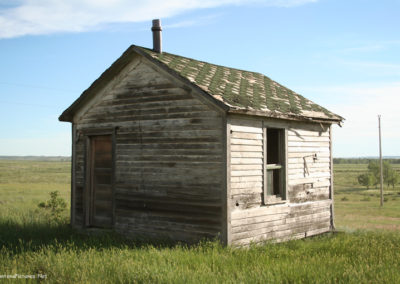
[(87, 190)]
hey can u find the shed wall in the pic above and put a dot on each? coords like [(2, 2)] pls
[(307, 210), (169, 163)]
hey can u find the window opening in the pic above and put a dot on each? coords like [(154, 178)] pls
[(275, 162)]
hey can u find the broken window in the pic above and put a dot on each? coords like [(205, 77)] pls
[(274, 165)]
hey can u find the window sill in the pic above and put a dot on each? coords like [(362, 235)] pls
[(274, 199)]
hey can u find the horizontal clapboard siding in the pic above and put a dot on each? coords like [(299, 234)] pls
[(246, 165), (307, 210), (280, 222), (168, 157), (309, 179)]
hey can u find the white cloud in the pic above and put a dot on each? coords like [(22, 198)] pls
[(360, 105), (289, 3), (34, 17), (198, 21)]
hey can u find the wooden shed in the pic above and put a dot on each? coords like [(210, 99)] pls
[(165, 146)]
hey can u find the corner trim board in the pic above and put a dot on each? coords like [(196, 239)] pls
[(73, 179), (331, 188), (227, 192)]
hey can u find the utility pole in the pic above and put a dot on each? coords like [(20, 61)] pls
[(380, 157)]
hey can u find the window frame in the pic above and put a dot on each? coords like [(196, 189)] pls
[(283, 161)]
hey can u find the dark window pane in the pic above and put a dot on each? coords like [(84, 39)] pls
[(273, 146)]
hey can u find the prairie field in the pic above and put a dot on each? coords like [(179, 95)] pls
[(364, 250), (359, 208)]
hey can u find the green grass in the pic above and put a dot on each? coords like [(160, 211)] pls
[(23, 184), (30, 245), (361, 209), (354, 258)]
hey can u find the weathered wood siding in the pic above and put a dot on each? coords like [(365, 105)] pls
[(79, 180), (246, 140), (168, 154), (307, 210), (308, 179)]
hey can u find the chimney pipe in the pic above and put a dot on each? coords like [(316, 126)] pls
[(156, 29)]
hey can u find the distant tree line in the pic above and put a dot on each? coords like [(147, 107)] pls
[(37, 158), (372, 177), (361, 160)]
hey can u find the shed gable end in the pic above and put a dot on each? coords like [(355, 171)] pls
[(168, 155)]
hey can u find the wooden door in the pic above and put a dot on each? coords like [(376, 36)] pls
[(101, 181)]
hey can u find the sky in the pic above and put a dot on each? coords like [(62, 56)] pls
[(343, 55)]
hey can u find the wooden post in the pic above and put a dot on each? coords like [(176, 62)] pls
[(380, 158)]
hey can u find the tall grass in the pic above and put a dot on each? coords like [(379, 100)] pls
[(30, 245), (66, 257)]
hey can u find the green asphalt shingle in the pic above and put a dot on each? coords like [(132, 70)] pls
[(242, 90)]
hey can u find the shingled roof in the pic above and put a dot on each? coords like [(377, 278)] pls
[(237, 90), (243, 91)]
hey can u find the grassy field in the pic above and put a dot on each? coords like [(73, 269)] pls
[(31, 245), (359, 208)]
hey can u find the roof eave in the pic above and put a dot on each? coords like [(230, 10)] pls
[(271, 114), (97, 85)]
